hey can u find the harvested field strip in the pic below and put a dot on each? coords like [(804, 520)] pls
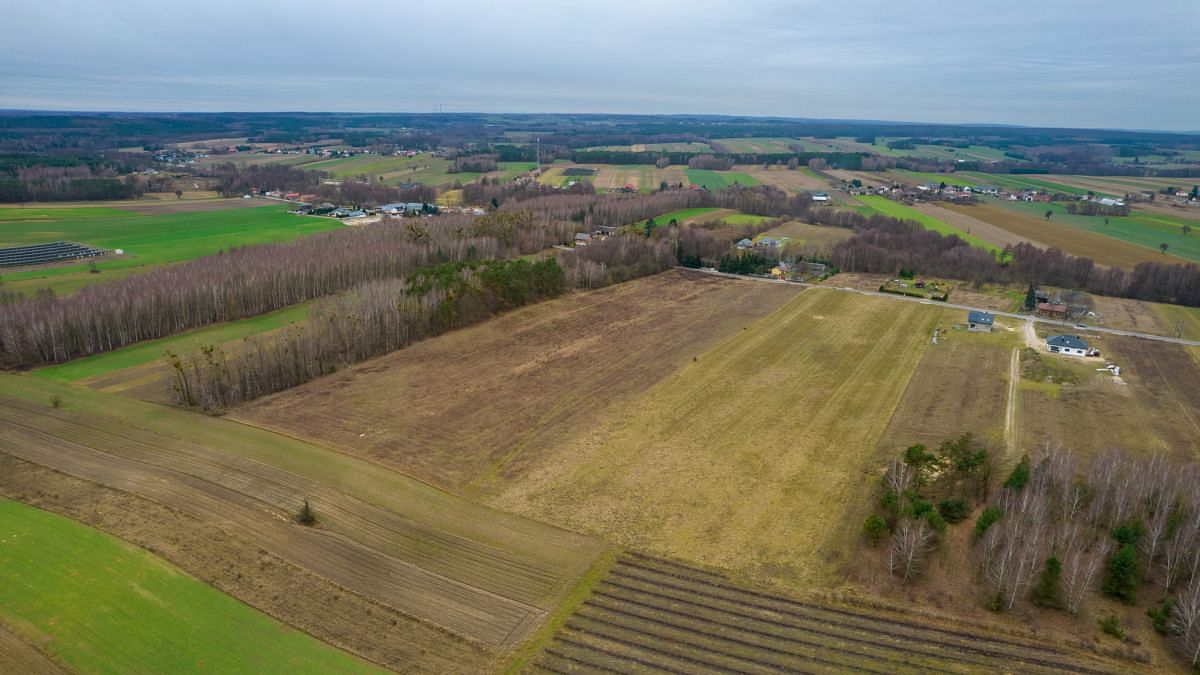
[(1076, 241), (19, 656), (484, 403), (204, 550), (102, 605), (382, 554), (662, 615), (813, 373), (898, 210), (497, 571)]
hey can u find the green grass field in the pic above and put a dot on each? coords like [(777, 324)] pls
[(45, 213), (153, 350), (715, 180), (916, 177), (896, 210), (100, 605), (1144, 229), (1011, 181), (147, 240)]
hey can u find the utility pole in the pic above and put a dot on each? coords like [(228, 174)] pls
[(537, 154)]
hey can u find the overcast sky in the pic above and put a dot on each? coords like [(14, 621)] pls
[(1074, 63)]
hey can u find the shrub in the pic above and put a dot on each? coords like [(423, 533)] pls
[(919, 508), (1111, 625), (986, 519), (890, 502), (875, 527), (1161, 614), (1019, 476), (306, 516), (954, 510), (56, 401), (935, 520)]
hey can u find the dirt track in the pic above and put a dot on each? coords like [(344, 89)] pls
[(463, 585)]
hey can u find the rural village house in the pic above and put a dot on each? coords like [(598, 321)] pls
[(980, 322), (1071, 345)]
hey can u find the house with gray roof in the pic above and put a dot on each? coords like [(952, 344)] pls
[(1071, 345), (980, 322)]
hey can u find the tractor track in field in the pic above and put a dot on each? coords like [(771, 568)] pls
[(464, 586), (653, 615)]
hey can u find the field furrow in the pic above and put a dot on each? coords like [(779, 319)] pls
[(649, 610)]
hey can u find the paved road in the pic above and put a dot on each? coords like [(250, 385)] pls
[(1013, 315)]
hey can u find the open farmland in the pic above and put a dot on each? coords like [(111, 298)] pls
[(801, 179), (147, 240), (694, 146), (763, 146), (727, 462), (101, 605), (715, 180), (477, 573), (962, 221), (898, 210), (1151, 409), (819, 236), (482, 404), (959, 386), (1054, 232), (1146, 231), (653, 615)]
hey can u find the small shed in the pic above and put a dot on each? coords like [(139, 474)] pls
[(1071, 345), (980, 322)]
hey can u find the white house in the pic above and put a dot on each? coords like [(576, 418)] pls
[(820, 197), (1071, 345)]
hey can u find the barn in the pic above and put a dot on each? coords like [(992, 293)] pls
[(980, 322)]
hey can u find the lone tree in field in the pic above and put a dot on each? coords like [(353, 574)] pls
[(306, 516), (1163, 247), (1048, 214), (179, 194)]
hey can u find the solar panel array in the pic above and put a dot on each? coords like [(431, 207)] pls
[(40, 254)]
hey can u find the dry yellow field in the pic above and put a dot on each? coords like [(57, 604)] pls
[(757, 456)]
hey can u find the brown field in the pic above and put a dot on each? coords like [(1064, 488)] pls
[(819, 236), (479, 405), (652, 615), (478, 573), (641, 177), (791, 181), (17, 656), (1153, 411), (1104, 250), (766, 440), (962, 219), (960, 385)]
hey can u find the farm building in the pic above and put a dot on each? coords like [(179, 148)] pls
[(583, 239), (745, 244), (1051, 310), (770, 243), (1071, 345), (820, 197), (981, 322)]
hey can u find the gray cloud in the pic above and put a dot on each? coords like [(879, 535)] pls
[(1061, 63)]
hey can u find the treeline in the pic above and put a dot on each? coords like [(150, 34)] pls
[(233, 180), (27, 178), (885, 245), (1093, 208), (254, 280), (370, 320), (615, 259), (473, 163)]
